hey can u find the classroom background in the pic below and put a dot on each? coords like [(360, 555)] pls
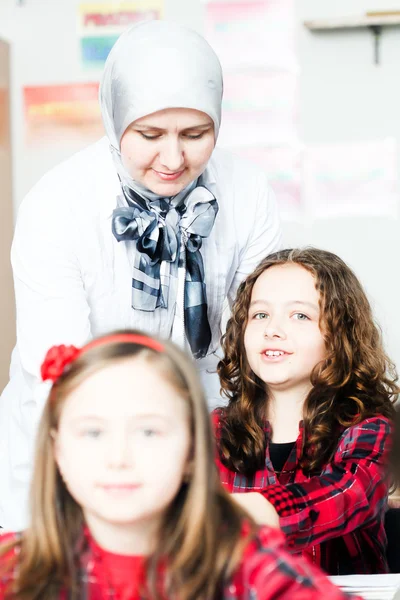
[(318, 108)]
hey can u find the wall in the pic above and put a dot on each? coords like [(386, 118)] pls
[(343, 97), (7, 312)]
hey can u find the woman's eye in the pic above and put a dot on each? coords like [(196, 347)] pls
[(260, 316), (301, 317), (149, 137), (194, 136)]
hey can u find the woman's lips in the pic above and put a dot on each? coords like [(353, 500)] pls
[(168, 176)]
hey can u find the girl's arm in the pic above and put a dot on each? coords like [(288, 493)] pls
[(350, 492), (270, 571)]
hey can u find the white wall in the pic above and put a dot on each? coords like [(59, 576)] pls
[(343, 97)]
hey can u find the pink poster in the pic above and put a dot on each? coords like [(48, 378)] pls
[(259, 108), (258, 33), (283, 166)]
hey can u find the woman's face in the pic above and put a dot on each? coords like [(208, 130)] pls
[(168, 149)]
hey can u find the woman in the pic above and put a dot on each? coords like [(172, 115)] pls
[(148, 228)]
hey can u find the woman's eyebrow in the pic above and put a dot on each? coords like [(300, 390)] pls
[(201, 127), (147, 128)]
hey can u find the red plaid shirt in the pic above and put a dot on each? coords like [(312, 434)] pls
[(337, 517), (266, 572)]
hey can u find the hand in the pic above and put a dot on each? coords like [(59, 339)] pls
[(394, 501), (258, 507)]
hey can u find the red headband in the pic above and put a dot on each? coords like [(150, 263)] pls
[(58, 357)]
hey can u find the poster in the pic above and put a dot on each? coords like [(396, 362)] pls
[(259, 108), (61, 113), (258, 33), (101, 24), (352, 179), (283, 167)]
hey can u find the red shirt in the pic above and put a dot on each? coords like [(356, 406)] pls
[(337, 517), (266, 572), (121, 573)]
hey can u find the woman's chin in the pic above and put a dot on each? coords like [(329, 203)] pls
[(166, 189)]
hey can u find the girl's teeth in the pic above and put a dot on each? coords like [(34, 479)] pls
[(274, 353)]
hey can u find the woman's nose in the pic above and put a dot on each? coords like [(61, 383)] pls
[(171, 155)]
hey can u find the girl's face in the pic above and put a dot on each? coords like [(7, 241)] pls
[(123, 446), (283, 341), (168, 149)]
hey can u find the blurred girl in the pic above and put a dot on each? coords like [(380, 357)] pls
[(308, 425), (126, 501)]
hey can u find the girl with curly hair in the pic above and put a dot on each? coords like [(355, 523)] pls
[(307, 429), (125, 500)]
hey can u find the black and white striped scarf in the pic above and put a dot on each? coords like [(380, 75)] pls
[(169, 235)]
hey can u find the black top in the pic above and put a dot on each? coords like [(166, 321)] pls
[(279, 453)]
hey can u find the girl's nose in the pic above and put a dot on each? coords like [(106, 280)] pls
[(274, 329)]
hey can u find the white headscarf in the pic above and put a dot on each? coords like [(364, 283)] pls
[(156, 65)]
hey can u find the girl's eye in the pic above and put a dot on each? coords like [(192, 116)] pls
[(149, 137), (260, 316), (301, 317), (92, 433), (149, 433)]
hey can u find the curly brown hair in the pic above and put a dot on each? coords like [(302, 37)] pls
[(357, 380)]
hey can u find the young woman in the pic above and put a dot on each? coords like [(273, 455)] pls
[(148, 228), (308, 427), (126, 502)]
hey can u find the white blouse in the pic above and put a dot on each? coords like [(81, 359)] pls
[(73, 281)]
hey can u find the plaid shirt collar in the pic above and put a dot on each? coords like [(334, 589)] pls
[(292, 462)]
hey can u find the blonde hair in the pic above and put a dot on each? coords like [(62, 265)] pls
[(200, 539)]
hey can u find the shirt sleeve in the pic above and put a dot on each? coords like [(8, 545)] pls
[(350, 492), (270, 571), (50, 297), (51, 308), (265, 236)]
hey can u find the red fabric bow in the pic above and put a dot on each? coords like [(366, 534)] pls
[(57, 358)]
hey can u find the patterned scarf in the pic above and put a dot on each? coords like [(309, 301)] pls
[(168, 235)]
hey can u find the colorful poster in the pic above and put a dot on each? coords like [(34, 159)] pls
[(62, 112), (258, 33), (283, 166), (259, 108), (101, 24), (352, 179)]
